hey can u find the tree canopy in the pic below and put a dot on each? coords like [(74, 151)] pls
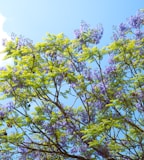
[(59, 100)]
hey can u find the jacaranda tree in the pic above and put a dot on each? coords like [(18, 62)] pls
[(65, 99)]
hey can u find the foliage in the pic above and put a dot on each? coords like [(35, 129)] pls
[(64, 105)]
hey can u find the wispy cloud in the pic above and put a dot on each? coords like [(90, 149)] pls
[(3, 35)]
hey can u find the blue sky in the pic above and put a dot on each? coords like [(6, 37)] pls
[(33, 18)]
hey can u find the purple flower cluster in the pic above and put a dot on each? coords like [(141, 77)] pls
[(74, 150), (139, 106), (80, 66), (22, 41), (22, 150), (9, 106), (84, 27), (83, 148), (99, 104), (59, 79), (97, 75), (137, 20), (76, 66), (77, 33), (26, 154), (91, 75), (102, 87), (96, 34), (2, 68), (111, 60), (110, 69), (88, 74), (84, 117), (139, 34), (85, 34), (4, 41), (134, 25), (118, 94), (6, 155), (123, 29), (2, 113), (63, 141)]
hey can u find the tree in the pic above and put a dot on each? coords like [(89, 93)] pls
[(63, 104)]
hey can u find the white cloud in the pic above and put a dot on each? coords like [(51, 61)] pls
[(3, 35)]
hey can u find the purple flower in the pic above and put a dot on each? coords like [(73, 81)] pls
[(20, 42), (118, 94), (2, 114), (123, 28), (63, 141), (88, 74), (45, 69), (89, 35), (74, 150), (80, 66), (49, 129), (115, 36), (9, 106), (141, 95), (83, 148), (84, 27), (134, 22), (59, 79), (110, 69), (102, 87), (96, 34), (69, 130), (63, 48), (22, 150), (139, 34), (84, 116), (111, 59), (7, 155), (137, 20), (13, 36), (97, 75), (99, 104), (139, 107), (71, 66), (73, 85), (28, 41), (4, 41), (36, 155), (77, 33), (2, 68)]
